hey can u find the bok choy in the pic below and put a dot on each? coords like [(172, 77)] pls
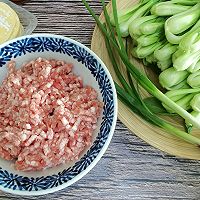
[(127, 92)]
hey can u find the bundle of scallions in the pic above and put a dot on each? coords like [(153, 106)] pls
[(165, 34)]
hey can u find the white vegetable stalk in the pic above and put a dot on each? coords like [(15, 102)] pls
[(168, 8), (134, 27), (194, 79), (183, 102), (177, 24), (165, 52), (170, 78), (124, 27), (164, 64), (143, 52), (195, 103), (146, 40), (194, 67), (186, 60)]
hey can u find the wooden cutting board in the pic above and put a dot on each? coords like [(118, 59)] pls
[(155, 136)]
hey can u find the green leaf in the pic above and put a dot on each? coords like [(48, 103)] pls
[(154, 105)]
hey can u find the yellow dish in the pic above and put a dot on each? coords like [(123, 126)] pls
[(10, 26)]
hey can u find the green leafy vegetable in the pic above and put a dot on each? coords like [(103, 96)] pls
[(144, 51), (168, 8), (131, 99), (165, 52), (195, 103), (146, 40), (155, 105), (134, 27), (125, 14), (194, 79), (140, 11), (179, 23), (152, 26), (164, 64), (185, 2), (171, 77)]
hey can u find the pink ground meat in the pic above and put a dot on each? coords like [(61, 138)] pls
[(47, 116)]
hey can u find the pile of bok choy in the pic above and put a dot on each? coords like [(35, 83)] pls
[(165, 34)]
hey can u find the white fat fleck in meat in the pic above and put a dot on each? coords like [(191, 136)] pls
[(50, 134), (28, 126), (34, 163), (59, 102), (43, 134), (76, 124), (36, 145), (49, 84), (16, 81), (46, 149), (64, 121), (30, 140), (22, 90), (63, 143), (93, 109), (36, 95), (46, 71)]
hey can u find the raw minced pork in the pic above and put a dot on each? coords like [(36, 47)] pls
[(47, 116)]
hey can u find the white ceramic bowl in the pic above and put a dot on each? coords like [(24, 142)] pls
[(95, 74)]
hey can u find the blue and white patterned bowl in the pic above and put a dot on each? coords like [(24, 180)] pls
[(94, 73)]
